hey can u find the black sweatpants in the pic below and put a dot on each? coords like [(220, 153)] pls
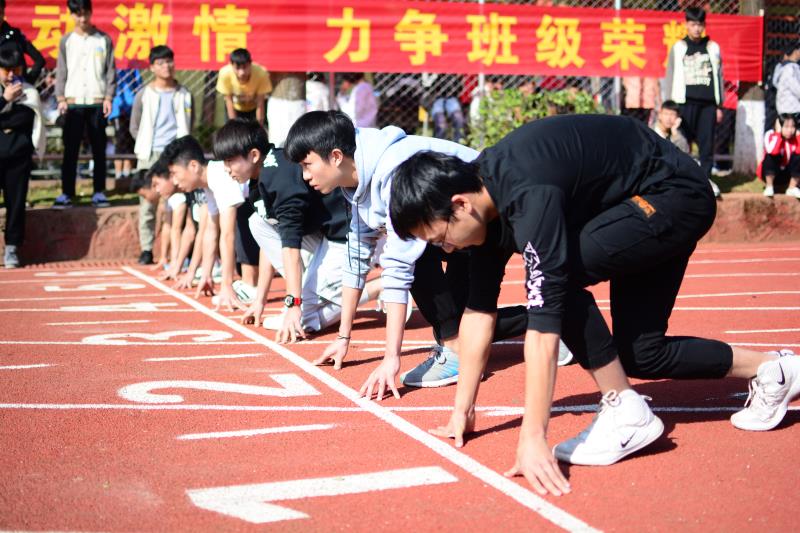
[(245, 246), (14, 175), (76, 119), (698, 124), (441, 296), (642, 246)]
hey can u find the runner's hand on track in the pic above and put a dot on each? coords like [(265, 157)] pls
[(535, 461), (292, 327), (382, 377), (460, 424), (184, 282), (252, 314), (227, 298), (334, 353), (205, 287)]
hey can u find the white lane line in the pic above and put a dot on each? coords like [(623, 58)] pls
[(203, 357), (61, 281), (682, 308), (76, 310), (94, 297), (777, 250), (784, 330), (252, 432), (73, 343), (23, 367), (774, 345), (510, 488), (712, 261), (77, 273), (723, 295), (743, 275), (98, 322)]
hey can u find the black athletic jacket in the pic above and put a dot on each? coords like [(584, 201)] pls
[(282, 197), (10, 34), (16, 127), (547, 180)]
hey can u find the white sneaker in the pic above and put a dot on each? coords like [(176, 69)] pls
[(623, 424), (565, 356), (769, 191), (273, 322), (245, 292), (794, 192), (715, 188), (775, 385)]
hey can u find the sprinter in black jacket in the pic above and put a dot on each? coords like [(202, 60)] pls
[(301, 233), (584, 199)]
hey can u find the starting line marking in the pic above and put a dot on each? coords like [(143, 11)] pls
[(253, 432), (785, 330), (23, 367), (98, 322), (76, 297), (203, 357), (249, 502), (74, 343)]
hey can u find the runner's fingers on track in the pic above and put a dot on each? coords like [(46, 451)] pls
[(456, 428), (334, 353)]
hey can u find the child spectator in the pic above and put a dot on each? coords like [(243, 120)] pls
[(161, 113), (694, 80), (357, 99), (781, 157), (10, 34), (786, 81), (85, 86), (245, 85), (668, 123), (20, 125), (129, 82)]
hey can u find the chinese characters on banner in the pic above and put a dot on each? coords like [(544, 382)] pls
[(364, 35)]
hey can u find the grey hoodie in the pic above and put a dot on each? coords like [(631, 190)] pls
[(786, 80), (377, 154)]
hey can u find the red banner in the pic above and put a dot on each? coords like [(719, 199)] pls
[(372, 36)]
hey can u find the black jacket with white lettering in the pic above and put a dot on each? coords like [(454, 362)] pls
[(549, 178)]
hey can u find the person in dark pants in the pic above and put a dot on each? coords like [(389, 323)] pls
[(10, 34), (19, 112), (584, 199), (694, 80), (85, 87)]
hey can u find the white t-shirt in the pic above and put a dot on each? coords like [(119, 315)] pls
[(224, 190), (175, 201)]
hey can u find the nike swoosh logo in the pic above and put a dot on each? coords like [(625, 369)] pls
[(625, 443), (782, 381)]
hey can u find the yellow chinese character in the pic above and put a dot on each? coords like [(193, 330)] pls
[(559, 42), (418, 33), (52, 24), (347, 23), (673, 32), (487, 37), (229, 25), (140, 28), (624, 41)]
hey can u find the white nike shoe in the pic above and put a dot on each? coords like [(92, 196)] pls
[(623, 424), (776, 384)]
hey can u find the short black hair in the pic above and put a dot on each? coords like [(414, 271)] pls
[(352, 77), (161, 52), (183, 150), (671, 105), (237, 137), (422, 188), (10, 56), (320, 132), (241, 56), (696, 14), (79, 6), (158, 170), (789, 50), (783, 117)]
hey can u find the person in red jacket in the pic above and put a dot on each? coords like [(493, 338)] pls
[(781, 157)]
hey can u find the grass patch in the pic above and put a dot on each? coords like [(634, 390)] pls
[(739, 183), (43, 194)]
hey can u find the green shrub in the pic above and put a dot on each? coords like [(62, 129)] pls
[(503, 111)]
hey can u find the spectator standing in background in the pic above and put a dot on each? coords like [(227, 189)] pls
[(161, 113), (245, 86), (85, 87), (10, 34), (20, 128), (786, 81), (357, 100), (642, 96), (318, 96), (286, 105), (694, 80), (446, 107), (128, 83)]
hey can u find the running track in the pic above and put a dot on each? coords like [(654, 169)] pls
[(126, 406)]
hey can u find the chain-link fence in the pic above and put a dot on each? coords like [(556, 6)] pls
[(412, 101)]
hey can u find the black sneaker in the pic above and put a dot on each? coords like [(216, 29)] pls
[(146, 258)]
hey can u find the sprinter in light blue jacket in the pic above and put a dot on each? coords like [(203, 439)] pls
[(333, 153)]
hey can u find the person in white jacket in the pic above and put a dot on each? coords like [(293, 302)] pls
[(786, 80), (161, 113)]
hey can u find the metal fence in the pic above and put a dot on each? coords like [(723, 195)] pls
[(406, 99)]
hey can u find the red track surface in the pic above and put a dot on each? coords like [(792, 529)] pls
[(82, 452)]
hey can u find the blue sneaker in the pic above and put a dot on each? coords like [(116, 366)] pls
[(99, 200), (438, 370), (62, 202)]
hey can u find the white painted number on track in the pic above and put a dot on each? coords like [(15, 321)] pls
[(249, 502), (79, 274), (95, 287), (291, 385), (197, 335)]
